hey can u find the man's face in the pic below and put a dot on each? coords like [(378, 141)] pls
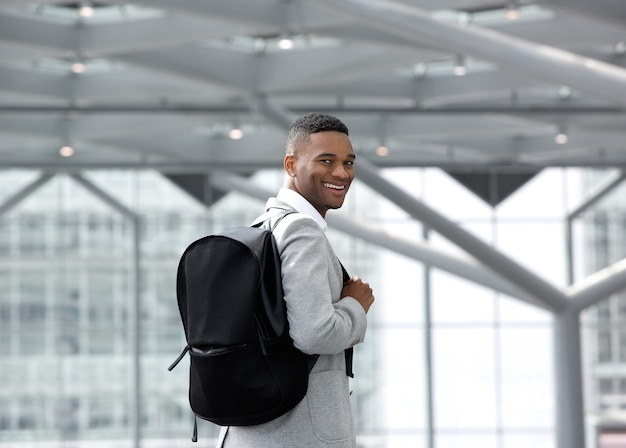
[(322, 169)]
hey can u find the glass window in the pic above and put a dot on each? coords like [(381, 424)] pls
[(605, 385), (464, 376), (458, 300), (404, 299), (5, 415), (32, 342), (32, 233), (604, 346), (5, 342), (100, 414), (537, 245), (531, 438), (32, 297), (100, 296), (399, 383), (102, 342), (488, 439), (6, 236), (541, 197), (490, 351), (621, 308), (622, 345), (526, 360)]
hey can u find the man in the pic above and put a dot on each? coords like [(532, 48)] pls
[(326, 316)]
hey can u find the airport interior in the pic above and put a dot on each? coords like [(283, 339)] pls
[(488, 211)]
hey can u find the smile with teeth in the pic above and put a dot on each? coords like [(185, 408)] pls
[(335, 187)]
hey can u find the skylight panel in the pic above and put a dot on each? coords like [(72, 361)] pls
[(71, 12)]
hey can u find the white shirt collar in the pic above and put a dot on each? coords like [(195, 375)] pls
[(297, 201)]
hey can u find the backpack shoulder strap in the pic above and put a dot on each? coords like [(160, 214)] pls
[(269, 215), (349, 352)]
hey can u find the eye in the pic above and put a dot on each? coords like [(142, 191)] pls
[(350, 162)]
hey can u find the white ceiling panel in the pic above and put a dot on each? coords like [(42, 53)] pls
[(159, 83)]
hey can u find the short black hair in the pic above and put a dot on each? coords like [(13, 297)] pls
[(312, 123)]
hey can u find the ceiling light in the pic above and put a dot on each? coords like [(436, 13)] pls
[(77, 67), (460, 69), (235, 134), (66, 151), (565, 92), (285, 43), (85, 10), (382, 151), (259, 45), (512, 12), (419, 70), (561, 138)]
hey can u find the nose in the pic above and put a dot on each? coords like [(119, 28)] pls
[(340, 171)]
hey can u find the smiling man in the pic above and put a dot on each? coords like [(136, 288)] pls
[(319, 164), (326, 311)]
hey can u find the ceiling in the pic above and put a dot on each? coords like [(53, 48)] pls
[(161, 83)]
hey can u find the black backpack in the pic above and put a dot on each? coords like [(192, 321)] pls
[(244, 369)]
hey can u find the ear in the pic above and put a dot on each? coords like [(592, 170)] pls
[(289, 163)]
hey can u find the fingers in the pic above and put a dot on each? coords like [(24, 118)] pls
[(357, 279), (363, 286), (359, 290)]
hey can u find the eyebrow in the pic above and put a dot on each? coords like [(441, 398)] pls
[(330, 154)]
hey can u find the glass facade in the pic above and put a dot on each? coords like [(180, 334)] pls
[(604, 324), (89, 321)]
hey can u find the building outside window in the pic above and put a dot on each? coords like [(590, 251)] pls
[(87, 329)]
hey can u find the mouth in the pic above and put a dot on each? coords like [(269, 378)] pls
[(335, 189)]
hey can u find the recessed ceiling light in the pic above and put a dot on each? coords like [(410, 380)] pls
[(285, 43), (235, 134), (66, 151), (85, 11), (561, 138), (77, 67), (460, 70)]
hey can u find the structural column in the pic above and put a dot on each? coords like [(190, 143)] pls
[(568, 382)]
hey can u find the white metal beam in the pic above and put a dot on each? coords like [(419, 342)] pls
[(23, 193), (463, 267), (552, 64), (498, 262), (598, 286)]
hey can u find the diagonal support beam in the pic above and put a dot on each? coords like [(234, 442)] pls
[(272, 111), (593, 198), (567, 347), (567, 350), (598, 194), (498, 262), (598, 286), (610, 11), (467, 268), (18, 197), (105, 197), (552, 64)]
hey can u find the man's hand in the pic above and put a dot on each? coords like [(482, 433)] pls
[(359, 290)]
